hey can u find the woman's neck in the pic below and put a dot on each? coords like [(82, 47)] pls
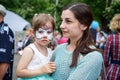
[(72, 45)]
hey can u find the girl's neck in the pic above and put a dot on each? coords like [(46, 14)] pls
[(41, 49)]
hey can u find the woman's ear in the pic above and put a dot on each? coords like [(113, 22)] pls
[(83, 27)]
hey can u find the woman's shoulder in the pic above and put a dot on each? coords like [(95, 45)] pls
[(61, 46), (95, 55)]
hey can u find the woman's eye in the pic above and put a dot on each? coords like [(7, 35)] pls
[(68, 21)]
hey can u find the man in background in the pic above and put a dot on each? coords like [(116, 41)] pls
[(6, 47), (94, 28)]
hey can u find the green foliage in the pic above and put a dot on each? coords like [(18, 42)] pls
[(27, 8), (112, 10), (97, 6)]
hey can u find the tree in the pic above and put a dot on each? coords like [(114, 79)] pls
[(111, 10), (103, 10)]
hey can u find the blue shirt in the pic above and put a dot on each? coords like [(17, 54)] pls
[(88, 67)]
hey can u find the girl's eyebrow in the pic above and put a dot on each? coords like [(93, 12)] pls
[(45, 28)]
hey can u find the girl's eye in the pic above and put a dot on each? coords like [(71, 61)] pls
[(49, 32), (40, 32)]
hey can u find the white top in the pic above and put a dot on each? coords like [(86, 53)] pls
[(39, 59), (102, 39)]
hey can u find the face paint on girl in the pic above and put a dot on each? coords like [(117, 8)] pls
[(40, 33)]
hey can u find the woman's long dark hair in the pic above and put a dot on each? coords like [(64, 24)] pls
[(83, 14)]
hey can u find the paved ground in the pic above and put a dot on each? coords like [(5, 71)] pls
[(16, 59)]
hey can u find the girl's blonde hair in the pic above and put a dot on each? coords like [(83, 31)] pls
[(115, 23)]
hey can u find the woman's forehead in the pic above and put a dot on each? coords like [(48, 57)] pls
[(67, 14)]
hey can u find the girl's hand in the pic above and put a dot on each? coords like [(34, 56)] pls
[(48, 68)]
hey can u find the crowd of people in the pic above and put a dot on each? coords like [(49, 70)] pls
[(78, 52)]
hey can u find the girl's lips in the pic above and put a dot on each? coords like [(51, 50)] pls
[(44, 40)]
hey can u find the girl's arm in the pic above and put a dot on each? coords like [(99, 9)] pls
[(27, 56)]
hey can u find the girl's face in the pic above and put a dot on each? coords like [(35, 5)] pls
[(70, 26), (44, 34)]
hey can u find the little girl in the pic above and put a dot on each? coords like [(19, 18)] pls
[(35, 62)]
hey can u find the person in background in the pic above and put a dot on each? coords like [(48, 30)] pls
[(35, 62), (57, 36), (62, 39), (58, 39), (78, 59), (112, 51), (6, 47), (101, 40), (19, 45), (94, 28), (95, 25), (29, 38)]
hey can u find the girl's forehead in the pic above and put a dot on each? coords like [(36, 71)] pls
[(44, 29), (48, 25)]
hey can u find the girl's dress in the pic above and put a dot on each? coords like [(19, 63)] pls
[(38, 61)]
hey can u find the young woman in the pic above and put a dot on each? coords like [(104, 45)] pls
[(78, 59), (35, 62)]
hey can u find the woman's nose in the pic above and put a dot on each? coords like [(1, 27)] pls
[(62, 25)]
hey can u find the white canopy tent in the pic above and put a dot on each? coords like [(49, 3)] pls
[(15, 22)]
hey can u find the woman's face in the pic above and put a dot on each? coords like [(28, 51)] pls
[(28, 33), (70, 26), (44, 34)]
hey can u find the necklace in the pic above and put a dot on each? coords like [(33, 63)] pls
[(42, 50)]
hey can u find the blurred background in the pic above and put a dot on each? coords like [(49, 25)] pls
[(103, 10)]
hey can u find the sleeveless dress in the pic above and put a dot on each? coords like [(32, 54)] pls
[(38, 61)]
